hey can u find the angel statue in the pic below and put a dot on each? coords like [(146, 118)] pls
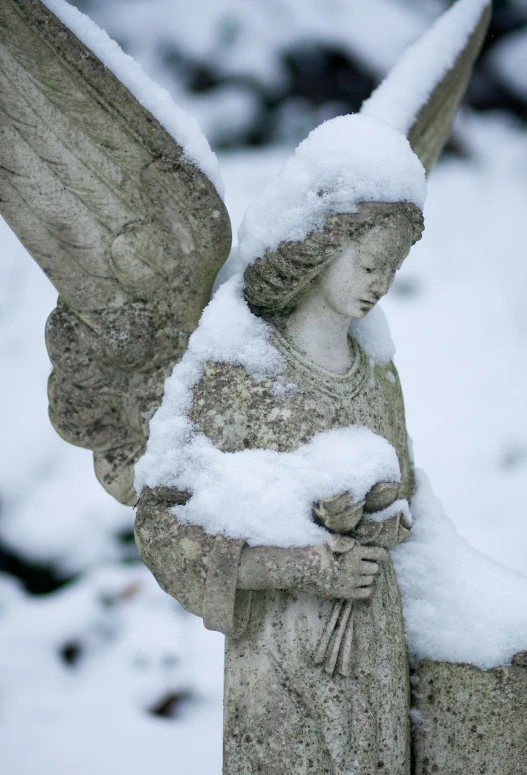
[(277, 474)]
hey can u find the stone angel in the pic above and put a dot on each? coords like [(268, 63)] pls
[(116, 195)]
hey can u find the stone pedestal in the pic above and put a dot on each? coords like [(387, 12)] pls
[(470, 721)]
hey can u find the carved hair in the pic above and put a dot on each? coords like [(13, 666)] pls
[(274, 281)]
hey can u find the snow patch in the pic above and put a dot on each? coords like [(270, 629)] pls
[(183, 128), (372, 332), (344, 161), (459, 605), (407, 87), (396, 508), (266, 497)]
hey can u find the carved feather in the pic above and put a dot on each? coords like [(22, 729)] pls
[(130, 233)]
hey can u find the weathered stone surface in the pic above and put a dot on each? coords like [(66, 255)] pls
[(469, 721)]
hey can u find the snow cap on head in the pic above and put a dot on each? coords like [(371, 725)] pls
[(344, 161)]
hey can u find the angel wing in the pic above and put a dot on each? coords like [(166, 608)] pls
[(420, 95), (126, 227)]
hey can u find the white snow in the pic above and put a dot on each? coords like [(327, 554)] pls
[(400, 506), (266, 497), (246, 494), (246, 42), (411, 81), (459, 605), (344, 161), (183, 128), (135, 648), (372, 332)]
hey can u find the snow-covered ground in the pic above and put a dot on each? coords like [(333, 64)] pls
[(84, 668)]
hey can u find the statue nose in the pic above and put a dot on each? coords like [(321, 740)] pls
[(380, 288)]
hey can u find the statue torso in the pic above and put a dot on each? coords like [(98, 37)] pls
[(237, 411), (340, 724)]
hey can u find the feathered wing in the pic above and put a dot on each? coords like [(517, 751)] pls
[(127, 229), (421, 94)]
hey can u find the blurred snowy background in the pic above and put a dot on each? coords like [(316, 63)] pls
[(101, 672)]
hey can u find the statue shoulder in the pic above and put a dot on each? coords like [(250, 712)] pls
[(237, 410)]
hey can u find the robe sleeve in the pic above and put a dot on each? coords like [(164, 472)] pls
[(197, 569)]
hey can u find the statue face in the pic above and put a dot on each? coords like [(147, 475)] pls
[(363, 273)]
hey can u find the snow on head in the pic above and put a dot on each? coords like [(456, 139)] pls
[(459, 605), (423, 65), (183, 128), (344, 161)]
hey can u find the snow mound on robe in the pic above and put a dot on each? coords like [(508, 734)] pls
[(459, 605), (183, 128), (407, 87), (262, 496), (372, 332), (344, 161)]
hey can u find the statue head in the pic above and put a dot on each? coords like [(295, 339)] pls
[(351, 263)]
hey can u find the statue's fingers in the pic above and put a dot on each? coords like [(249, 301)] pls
[(375, 553), (368, 568), (366, 581), (361, 593)]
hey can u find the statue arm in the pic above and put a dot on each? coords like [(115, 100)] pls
[(316, 570), (209, 575), (176, 554), (197, 569)]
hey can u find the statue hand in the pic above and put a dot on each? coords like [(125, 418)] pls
[(354, 573), (343, 570)]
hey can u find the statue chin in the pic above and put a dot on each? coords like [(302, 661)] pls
[(362, 311)]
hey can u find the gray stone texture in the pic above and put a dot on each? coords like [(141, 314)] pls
[(470, 721)]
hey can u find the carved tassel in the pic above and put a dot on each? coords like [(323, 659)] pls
[(345, 615), (328, 631)]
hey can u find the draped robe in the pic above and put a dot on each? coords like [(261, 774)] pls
[(282, 712)]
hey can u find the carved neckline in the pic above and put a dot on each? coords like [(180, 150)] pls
[(329, 382)]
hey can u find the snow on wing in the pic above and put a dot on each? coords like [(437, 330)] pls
[(420, 95), (129, 231)]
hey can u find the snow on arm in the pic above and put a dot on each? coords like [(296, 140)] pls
[(459, 605), (259, 495), (423, 65), (183, 128)]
